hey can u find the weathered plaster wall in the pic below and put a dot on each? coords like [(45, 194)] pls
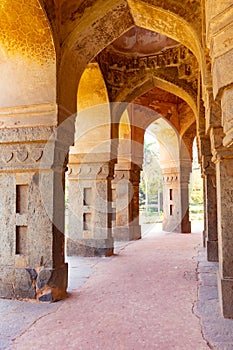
[(27, 56)]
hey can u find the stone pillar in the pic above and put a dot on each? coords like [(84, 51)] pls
[(221, 53), (184, 188), (126, 195), (224, 169), (90, 205), (210, 198), (32, 215), (209, 175), (211, 216), (176, 201), (223, 159), (204, 233)]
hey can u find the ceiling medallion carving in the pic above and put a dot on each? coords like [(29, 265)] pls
[(141, 41)]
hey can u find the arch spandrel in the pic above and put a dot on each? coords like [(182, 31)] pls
[(166, 22)]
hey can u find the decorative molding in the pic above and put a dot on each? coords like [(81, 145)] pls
[(177, 65), (29, 116), (89, 171), (170, 178), (30, 156), (36, 154), (7, 156), (21, 154)]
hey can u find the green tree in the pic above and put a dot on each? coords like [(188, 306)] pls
[(151, 177)]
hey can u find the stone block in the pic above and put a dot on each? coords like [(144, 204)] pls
[(23, 285), (212, 251), (222, 72), (16, 283), (27, 283), (90, 247), (185, 226), (130, 233), (225, 291), (51, 284)]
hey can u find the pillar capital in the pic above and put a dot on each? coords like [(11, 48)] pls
[(221, 154), (208, 167), (219, 151), (204, 144)]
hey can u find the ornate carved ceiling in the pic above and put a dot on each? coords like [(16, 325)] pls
[(140, 55), (140, 42), (124, 68), (169, 106)]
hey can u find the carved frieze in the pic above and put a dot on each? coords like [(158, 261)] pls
[(177, 65), (29, 156), (170, 178), (20, 154), (89, 171)]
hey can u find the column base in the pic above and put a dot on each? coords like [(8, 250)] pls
[(204, 236), (131, 233), (186, 227), (90, 247), (225, 292), (42, 284), (212, 251), (177, 228)]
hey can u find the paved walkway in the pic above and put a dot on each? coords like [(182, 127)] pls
[(142, 298)]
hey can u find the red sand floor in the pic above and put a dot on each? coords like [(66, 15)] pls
[(139, 299)]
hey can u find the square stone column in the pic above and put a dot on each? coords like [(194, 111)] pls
[(32, 215), (176, 201), (126, 199), (209, 174), (223, 159), (184, 189), (224, 175), (210, 198), (90, 205)]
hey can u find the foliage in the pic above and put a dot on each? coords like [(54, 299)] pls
[(196, 187), (151, 179)]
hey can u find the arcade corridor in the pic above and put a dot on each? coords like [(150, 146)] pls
[(80, 83)]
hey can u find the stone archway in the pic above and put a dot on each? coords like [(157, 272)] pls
[(115, 20)]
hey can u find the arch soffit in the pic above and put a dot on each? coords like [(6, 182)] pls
[(34, 41), (49, 9), (92, 89)]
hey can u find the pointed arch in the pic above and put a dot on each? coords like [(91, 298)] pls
[(107, 22), (93, 121), (129, 94)]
